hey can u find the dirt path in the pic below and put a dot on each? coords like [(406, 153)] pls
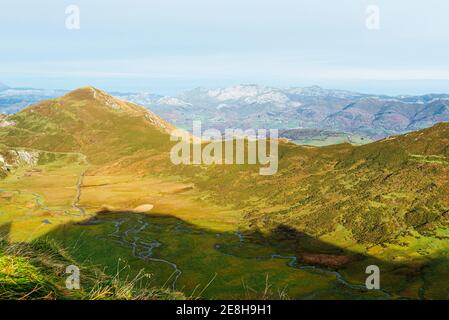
[(76, 201)]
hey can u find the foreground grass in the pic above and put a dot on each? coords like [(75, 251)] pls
[(37, 271)]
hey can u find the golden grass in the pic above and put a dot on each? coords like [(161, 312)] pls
[(124, 193)]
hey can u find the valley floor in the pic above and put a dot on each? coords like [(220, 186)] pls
[(196, 247)]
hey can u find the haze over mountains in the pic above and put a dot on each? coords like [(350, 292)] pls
[(13, 100), (253, 106), (250, 106)]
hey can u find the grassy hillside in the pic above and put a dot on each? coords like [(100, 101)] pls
[(84, 165), (36, 270)]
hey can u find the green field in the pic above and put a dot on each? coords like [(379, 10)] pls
[(197, 256)]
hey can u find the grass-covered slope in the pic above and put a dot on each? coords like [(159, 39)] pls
[(365, 189), (86, 154), (88, 121), (315, 188), (37, 270)]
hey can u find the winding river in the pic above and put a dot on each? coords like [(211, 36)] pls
[(128, 233)]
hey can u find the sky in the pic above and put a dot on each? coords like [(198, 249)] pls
[(168, 46)]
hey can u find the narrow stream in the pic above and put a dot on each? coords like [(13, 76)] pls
[(39, 201), (130, 238), (128, 233)]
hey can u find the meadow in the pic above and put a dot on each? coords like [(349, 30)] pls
[(188, 245)]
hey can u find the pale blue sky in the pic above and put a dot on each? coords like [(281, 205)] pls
[(165, 46)]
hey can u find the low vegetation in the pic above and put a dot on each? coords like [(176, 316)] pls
[(219, 231), (36, 270)]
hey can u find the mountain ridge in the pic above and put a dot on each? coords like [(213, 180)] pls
[(373, 116)]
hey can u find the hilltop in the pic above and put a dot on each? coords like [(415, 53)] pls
[(88, 121)]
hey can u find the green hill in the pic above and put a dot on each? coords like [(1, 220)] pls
[(86, 161)]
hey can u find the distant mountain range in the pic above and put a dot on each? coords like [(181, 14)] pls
[(253, 106), (13, 100)]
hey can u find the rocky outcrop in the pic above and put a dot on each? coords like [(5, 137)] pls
[(4, 122), (10, 159)]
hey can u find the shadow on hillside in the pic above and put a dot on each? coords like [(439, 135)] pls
[(101, 234)]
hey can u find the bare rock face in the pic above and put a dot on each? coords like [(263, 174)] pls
[(10, 159), (4, 122), (106, 99), (2, 162), (5, 167), (28, 158)]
